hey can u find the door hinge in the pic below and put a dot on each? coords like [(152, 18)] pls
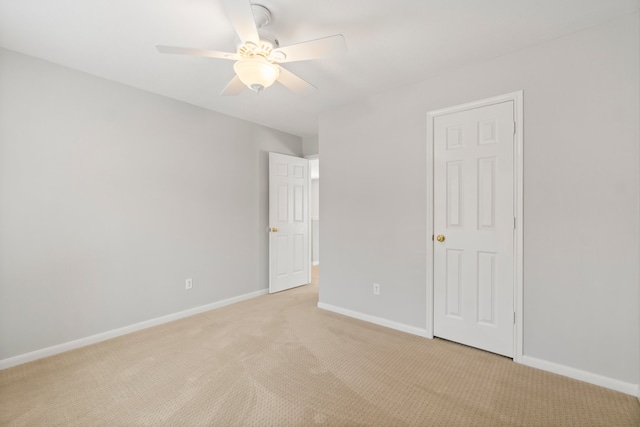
[(514, 127), (514, 222), (514, 317)]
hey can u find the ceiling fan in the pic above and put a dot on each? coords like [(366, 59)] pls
[(259, 56)]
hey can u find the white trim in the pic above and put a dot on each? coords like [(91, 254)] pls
[(310, 222), (518, 294), (103, 336), (518, 116), (373, 319), (311, 219), (430, 231), (577, 374)]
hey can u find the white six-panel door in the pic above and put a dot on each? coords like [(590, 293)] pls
[(474, 217), (289, 257)]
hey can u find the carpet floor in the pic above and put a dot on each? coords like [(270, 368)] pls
[(278, 360)]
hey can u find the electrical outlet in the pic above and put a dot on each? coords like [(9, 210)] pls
[(376, 288), (188, 284)]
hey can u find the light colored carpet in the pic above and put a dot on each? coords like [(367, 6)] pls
[(278, 360)]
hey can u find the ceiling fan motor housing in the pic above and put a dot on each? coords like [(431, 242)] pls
[(261, 14), (262, 17)]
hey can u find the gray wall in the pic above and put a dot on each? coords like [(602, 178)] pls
[(581, 235), (111, 197), (310, 146)]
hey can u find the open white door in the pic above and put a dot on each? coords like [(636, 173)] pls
[(474, 222), (289, 257)]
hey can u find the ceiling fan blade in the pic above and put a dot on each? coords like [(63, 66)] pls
[(294, 83), (313, 49), (233, 88), (241, 16), (196, 52)]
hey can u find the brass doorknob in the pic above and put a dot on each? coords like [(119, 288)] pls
[(274, 230), (440, 238)]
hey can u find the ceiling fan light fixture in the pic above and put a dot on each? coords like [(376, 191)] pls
[(258, 53), (256, 73)]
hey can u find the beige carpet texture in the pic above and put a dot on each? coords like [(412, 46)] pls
[(278, 360)]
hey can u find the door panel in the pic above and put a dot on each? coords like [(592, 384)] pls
[(453, 282), (454, 195), (298, 203), (283, 203), (289, 257), (298, 252), (486, 288), (474, 211), (486, 193)]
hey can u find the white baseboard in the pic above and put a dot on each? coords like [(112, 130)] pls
[(373, 319), (588, 377), (316, 262), (82, 342), (577, 374)]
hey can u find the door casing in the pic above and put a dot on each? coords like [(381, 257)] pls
[(310, 157), (517, 98)]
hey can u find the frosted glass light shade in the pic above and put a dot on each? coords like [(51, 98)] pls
[(257, 73)]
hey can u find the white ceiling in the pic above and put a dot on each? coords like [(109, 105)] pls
[(390, 44)]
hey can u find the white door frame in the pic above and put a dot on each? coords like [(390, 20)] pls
[(310, 157), (517, 98)]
